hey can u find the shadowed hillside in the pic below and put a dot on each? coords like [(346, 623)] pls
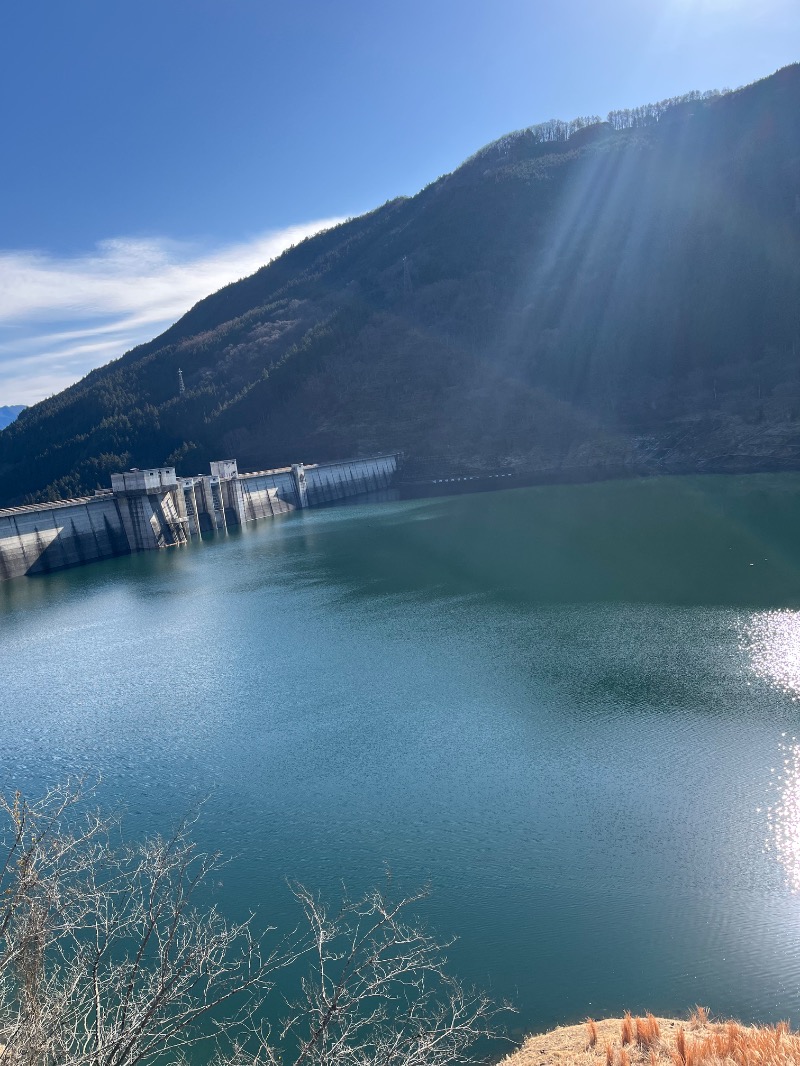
[(586, 296)]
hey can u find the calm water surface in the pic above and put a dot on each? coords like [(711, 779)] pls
[(572, 710)]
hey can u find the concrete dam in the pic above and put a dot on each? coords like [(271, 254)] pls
[(155, 508)]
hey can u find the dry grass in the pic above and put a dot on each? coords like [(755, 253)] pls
[(648, 1031), (699, 1017), (591, 1030), (651, 1041), (680, 1046), (626, 1029), (738, 1045)]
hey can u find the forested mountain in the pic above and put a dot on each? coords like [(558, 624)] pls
[(586, 295), (8, 414)]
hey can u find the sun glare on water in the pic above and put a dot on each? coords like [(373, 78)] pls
[(783, 816), (771, 642)]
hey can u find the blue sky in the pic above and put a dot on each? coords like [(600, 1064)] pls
[(154, 150)]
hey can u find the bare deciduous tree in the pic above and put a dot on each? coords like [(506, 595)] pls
[(107, 959), (377, 991)]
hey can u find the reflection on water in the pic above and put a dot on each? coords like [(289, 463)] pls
[(558, 706), (784, 815), (771, 639)]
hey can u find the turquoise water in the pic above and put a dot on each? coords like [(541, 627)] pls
[(571, 710)]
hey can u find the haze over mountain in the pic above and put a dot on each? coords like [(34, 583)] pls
[(585, 296), (8, 414)]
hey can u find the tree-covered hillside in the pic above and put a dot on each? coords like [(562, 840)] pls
[(619, 294)]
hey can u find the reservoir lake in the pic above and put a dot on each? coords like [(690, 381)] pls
[(572, 711)]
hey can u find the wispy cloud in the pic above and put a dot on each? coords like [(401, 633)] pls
[(62, 316), (684, 20)]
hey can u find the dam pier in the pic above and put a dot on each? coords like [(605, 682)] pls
[(153, 508)]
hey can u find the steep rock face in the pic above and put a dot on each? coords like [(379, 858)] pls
[(628, 297)]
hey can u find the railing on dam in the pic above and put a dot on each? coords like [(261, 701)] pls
[(156, 508)]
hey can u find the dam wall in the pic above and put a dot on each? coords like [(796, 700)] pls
[(150, 509), (270, 492), (53, 536), (334, 481), (264, 494)]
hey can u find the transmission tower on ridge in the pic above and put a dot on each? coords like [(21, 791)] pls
[(181, 386)]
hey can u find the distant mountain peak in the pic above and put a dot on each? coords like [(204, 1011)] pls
[(9, 414)]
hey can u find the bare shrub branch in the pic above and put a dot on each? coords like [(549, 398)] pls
[(113, 955), (377, 992), (105, 956)]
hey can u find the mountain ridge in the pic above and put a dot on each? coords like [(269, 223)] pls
[(9, 413), (607, 295)]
